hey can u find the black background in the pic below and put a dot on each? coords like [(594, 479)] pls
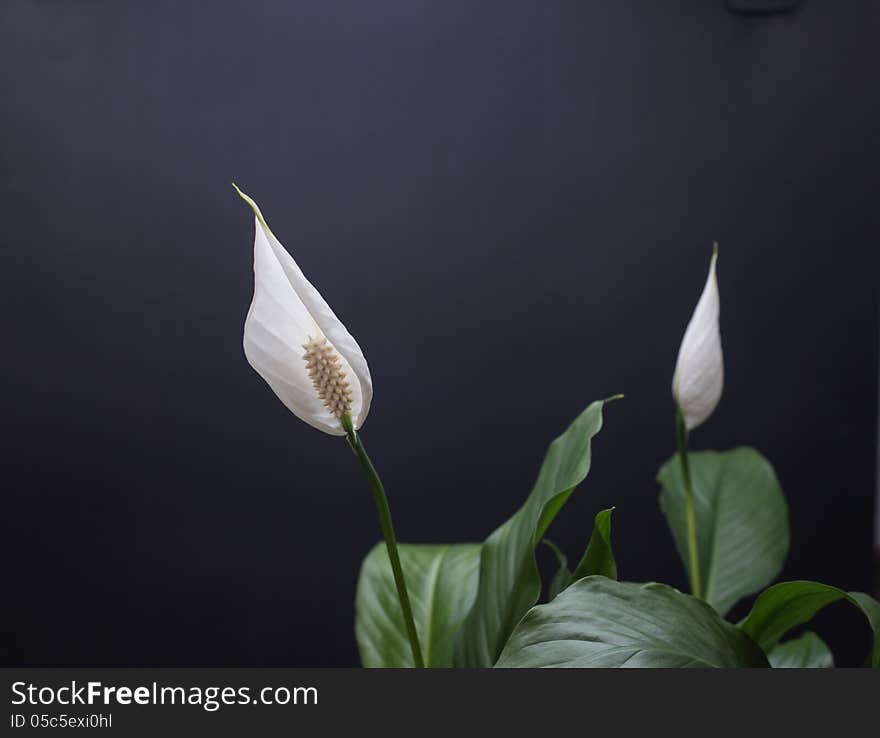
[(509, 203)]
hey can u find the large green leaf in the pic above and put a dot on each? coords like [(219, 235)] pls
[(598, 622), (785, 605), (807, 652), (742, 521), (442, 583), (509, 581)]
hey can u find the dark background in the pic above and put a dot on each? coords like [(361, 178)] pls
[(511, 204)]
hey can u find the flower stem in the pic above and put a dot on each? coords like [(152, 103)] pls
[(693, 553), (390, 539)]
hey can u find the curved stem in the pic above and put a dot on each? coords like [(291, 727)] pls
[(390, 539), (693, 553)]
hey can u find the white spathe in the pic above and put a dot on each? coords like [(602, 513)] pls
[(699, 371), (285, 313)]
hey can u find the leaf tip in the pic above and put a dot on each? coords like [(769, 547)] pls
[(240, 193), (253, 205)]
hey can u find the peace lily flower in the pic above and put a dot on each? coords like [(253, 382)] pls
[(297, 344), (699, 371), (696, 387)]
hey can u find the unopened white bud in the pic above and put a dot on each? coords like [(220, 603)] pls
[(699, 371)]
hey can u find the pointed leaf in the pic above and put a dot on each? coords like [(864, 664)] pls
[(442, 583), (598, 558), (598, 622), (742, 521), (785, 605), (807, 652), (509, 580)]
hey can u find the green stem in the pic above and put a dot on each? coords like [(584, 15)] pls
[(693, 553), (390, 539)]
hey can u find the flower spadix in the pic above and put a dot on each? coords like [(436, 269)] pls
[(297, 344), (699, 372)]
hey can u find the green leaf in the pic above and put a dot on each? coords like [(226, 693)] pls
[(742, 521), (509, 581), (785, 605), (562, 577), (598, 622), (442, 583), (807, 652), (598, 558)]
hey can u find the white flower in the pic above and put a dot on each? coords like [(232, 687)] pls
[(297, 344), (699, 371)]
